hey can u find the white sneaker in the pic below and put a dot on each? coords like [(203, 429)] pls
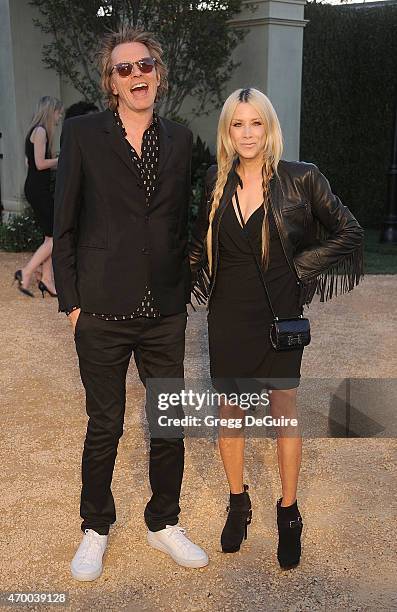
[(172, 540), (87, 562)]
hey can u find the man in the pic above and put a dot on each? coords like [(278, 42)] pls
[(123, 278)]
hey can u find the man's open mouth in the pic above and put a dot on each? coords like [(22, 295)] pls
[(139, 88)]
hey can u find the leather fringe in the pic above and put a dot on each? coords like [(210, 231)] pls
[(339, 278), (201, 285)]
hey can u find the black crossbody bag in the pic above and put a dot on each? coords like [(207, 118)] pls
[(285, 334)]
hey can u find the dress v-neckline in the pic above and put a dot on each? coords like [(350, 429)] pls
[(251, 215)]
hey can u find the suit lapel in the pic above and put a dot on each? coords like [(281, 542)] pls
[(165, 144), (117, 144), (119, 147)]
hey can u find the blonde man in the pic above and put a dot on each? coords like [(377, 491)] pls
[(123, 278)]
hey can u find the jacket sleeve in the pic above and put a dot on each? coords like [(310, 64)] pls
[(336, 261), (198, 243), (66, 213)]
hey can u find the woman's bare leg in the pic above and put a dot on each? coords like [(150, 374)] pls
[(39, 257), (38, 274), (48, 274), (231, 447), (289, 443)]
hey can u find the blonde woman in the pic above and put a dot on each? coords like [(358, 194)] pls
[(40, 160), (286, 207)]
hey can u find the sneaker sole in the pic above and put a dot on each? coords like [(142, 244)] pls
[(85, 577), (185, 563)]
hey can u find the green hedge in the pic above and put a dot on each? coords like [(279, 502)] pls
[(21, 233), (379, 258), (349, 95)]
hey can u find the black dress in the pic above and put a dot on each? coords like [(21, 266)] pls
[(242, 358), (38, 189)]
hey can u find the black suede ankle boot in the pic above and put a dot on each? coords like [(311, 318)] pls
[(289, 523), (238, 518)]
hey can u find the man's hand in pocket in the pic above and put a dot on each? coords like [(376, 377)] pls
[(74, 315)]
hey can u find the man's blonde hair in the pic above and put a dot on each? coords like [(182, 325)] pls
[(128, 34)]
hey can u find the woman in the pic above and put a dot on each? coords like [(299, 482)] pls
[(40, 160), (264, 217)]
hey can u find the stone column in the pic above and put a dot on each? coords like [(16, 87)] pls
[(271, 56), (23, 80), (271, 60)]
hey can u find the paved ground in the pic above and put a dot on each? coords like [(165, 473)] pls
[(346, 487)]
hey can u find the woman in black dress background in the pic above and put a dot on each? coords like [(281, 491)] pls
[(281, 203), (40, 160)]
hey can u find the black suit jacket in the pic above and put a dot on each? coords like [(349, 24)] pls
[(107, 242)]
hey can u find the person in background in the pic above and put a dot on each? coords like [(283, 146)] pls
[(80, 108), (40, 160)]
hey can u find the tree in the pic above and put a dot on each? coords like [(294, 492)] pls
[(195, 35)]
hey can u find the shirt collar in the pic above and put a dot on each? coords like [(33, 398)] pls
[(153, 125)]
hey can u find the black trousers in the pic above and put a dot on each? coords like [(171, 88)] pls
[(104, 349)]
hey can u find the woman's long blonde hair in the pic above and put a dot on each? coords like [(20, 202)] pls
[(45, 116), (226, 155)]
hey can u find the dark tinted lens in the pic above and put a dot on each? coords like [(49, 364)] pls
[(124, 69), (146, 64)]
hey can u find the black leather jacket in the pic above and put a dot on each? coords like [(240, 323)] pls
[(321, 239)]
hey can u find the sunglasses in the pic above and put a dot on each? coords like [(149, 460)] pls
[(145, 66)]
